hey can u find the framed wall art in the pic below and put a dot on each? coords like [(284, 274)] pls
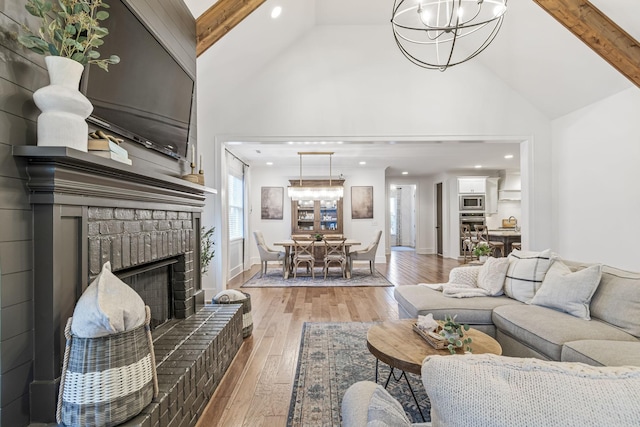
[(272, 202), (362, 202)]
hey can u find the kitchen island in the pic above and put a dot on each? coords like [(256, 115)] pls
[(506, 236)]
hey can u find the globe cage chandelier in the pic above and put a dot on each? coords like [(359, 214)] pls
[(438, 34), (302, 192)]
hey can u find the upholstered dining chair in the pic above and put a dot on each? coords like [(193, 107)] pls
[(335, 254), (303, 253), (483, 236), (267, 254), (367, 254)]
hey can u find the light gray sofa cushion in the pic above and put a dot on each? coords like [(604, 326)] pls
[(547, 330), (420, 300), (617, 299), (568, 291), (602, 352)]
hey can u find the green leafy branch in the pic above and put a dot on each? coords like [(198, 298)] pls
[(206, 248), (454, 332), (71, 29)]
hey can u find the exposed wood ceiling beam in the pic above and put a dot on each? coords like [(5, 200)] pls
[(599, 32), (219, 19)]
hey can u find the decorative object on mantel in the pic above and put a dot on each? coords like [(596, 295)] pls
[(194, 177), (301, 192), (105, 145), (64, 108), (427, 32)]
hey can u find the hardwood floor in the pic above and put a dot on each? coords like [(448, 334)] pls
[(256, 389)]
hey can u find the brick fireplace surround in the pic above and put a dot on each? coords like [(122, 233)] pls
[(88, 210)]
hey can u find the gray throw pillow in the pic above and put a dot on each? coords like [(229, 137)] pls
[(385, 411), (568, 291)]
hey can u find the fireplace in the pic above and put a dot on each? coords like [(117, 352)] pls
[(154, 284), (88, 210)]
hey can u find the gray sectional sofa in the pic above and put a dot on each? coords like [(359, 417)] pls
[(610, 338)]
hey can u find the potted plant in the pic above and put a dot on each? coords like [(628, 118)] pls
[(482, 251), (454, 333), (318, 236), (207, 251), (68, 36)]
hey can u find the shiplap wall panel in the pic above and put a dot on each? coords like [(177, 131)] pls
[(13, 195), (14, 289), (9, 168), (16, 130), (16, 351), (15, 225)]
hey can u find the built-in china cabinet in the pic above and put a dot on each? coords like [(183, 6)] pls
[(316, 216)]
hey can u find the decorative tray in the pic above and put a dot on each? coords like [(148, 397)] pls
[(436, 340)]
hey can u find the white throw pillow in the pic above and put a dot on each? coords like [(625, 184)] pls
[(526, 273), (492, 274), (464, 276), (106, 307), (569, 291)]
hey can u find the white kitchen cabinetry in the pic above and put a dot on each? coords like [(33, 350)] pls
[(473, 185), (510, 195), (491, 196)]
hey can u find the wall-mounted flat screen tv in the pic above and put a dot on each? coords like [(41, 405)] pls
[(147, 97)]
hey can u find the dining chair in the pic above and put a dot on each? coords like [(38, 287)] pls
[(483, 236), (467, 241), (267, 254), (336, 254), (303, 253), (367, 254)]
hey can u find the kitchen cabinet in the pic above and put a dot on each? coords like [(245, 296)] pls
[(510, 195), (316, 216), (471, 185)]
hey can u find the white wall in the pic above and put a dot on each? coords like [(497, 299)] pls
[(596, 152), (362, 230)]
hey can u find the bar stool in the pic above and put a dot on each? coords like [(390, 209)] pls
[(516, 245), (483, 236)]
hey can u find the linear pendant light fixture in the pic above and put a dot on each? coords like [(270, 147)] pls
[(438, 34), (302, 192)]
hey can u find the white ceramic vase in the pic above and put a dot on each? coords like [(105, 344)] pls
[(64, 108)]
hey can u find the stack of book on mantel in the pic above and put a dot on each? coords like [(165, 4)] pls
[(104, 145)]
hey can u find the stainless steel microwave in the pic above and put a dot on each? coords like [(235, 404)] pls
[(472, 202)]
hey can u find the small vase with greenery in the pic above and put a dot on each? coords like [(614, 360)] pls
[(454, 333), (318, 236), (482, 249), (207, 251), (69, 29)]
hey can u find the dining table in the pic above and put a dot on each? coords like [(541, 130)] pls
[(288, 250)]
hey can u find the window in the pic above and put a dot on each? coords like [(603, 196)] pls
[(236, 207)]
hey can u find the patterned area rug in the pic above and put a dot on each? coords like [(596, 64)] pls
[(332, 357), (274, 279)]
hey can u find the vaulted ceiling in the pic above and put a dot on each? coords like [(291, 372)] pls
[(534, 54)]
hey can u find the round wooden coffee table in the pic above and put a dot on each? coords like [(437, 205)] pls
[(395, 343)]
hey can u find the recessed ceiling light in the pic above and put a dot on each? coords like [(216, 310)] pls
[(269, 163), (509, 156), (363, 163), (405, 173), (276, 11), (477, 166)]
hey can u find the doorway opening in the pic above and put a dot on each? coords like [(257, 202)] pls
[(402, 208)]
